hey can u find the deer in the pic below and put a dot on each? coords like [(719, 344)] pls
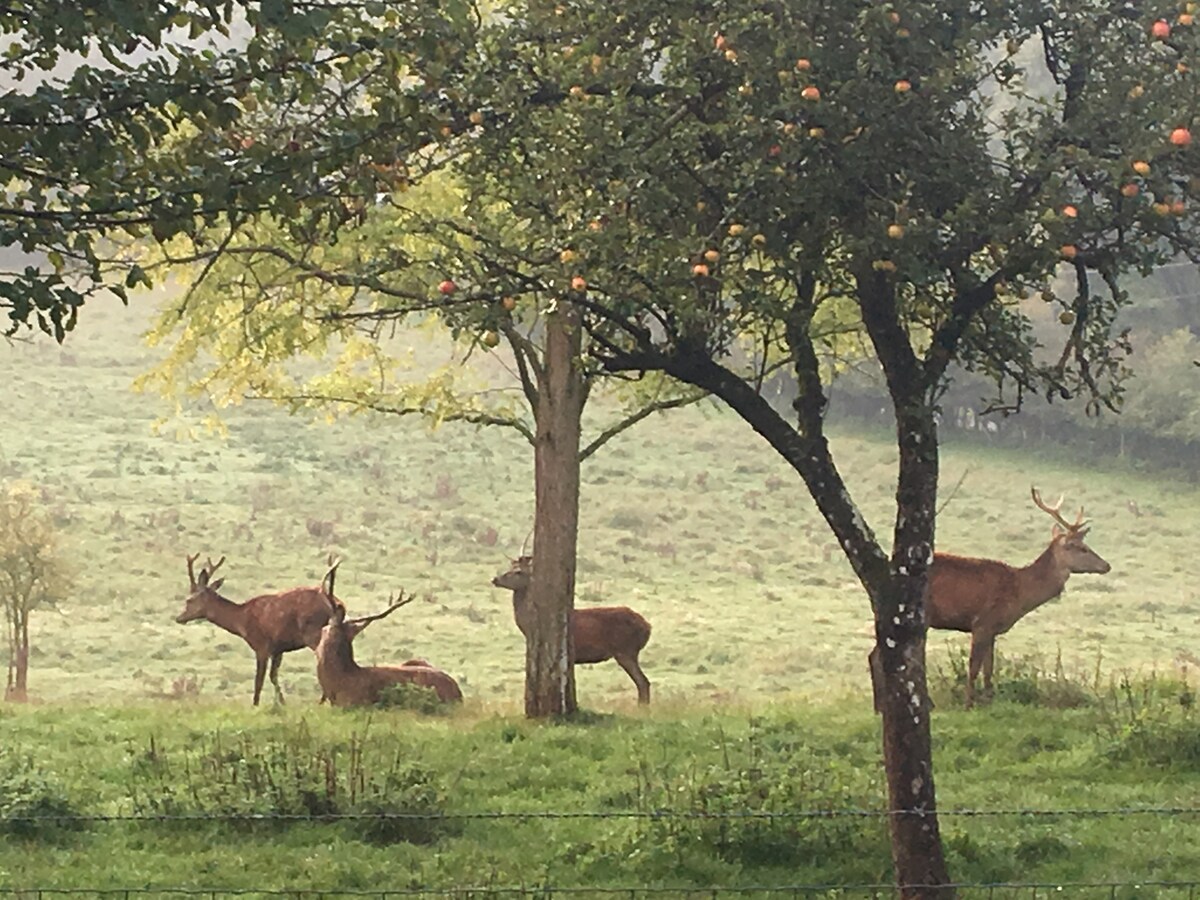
[(272, 624), (986, 597), (598, 633), (344, 682)]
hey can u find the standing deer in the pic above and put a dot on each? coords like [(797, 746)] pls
[(987, 597), (272, 624), (598, 633), (346, 683)]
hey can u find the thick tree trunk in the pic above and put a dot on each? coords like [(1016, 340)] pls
[(549, 676)]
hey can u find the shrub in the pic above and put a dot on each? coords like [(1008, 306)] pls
[(415, 697), (33, 804)]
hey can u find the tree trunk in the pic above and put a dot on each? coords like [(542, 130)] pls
[(16, 688), (896, 589), (549, 675)]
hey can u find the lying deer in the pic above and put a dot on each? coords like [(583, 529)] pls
[(598, 633), (272, 624), (346, 683), (986, 597)]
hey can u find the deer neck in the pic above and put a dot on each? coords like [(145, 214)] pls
[(521, 609), (337, 656), (226, 614), (1041, 580)]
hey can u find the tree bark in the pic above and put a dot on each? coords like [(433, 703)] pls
[(549, 675)]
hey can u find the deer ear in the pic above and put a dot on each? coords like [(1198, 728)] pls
[(216, 585), (1055, 531)]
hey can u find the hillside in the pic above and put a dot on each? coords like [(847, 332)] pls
[(689, 518)]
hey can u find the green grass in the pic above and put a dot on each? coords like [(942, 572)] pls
[(757, 657), (788, 757)]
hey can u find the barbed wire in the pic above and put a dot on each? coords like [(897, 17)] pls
[(859, 813), (632, 891)]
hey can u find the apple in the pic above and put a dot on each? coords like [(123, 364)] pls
[(1178, 207), (817, 132), (736, 229), (578, 91), (759, 240), (447, 287), (566, 256), (1129, 190), (812, 92), (1181, 137), (903, 86), (720, 42), (1186, 18), (712, 255), (1068, 251), (1161, 29), (745, 89), (700, 270), (1141, 167), (883, 265), (1162, 209), (731, 55), (774, 150), (1070, 211), (1136, 91), (804, 65), (490, 339), (508, 303), (894, 17), (1066, 317), (476, 117), (895, 230), (903, 33), (595, 225), (579, 283)]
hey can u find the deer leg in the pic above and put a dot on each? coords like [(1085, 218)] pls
[(989, 665), (980, 648), (276, 659), (630, 665), (260, 672)]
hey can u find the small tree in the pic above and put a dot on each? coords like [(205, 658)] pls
[(32, 574)]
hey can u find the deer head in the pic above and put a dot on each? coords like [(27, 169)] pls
[(202, 589), (1066, 540), (352, 628), (518, 575)]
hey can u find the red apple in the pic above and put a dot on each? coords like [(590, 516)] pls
[(1161, 29), (700, 270), (903, 86), (447, 287), (1181, 137), (1070, 211), (579, 283), (812, 92)]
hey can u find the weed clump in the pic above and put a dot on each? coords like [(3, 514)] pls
[(1022, 680), (1152, 722), (33, 804), (245, 781), (413, 697)]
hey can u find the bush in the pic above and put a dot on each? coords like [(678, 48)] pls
[(1152, 722), (415, 697), (33, 804), (281, 781), (1023, 680)]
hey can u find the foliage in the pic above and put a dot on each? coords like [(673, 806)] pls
[(33, 572), (1019, 679), (1152, 722), (33, 804), (294, 777), (414, 697)]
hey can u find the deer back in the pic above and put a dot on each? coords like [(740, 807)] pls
[(602, 632), (964, 588), (288, 620)]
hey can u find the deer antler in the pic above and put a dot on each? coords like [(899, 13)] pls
[(327, 580), (207, 572), (525, 542), (191, 562), (1054, 511), (364, 621)]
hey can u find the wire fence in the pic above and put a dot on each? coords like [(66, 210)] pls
[(1027, 890), (651, 814)]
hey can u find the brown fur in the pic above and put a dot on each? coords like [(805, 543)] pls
[(598, 633), (272, 624), (986, 597), (346, 683)]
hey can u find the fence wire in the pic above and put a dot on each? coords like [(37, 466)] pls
[(657, 815), (1114, 890)]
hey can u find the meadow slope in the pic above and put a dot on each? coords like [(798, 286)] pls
[(689, 517)]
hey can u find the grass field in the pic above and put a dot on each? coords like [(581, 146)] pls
[(690, 518), (757, 657)]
